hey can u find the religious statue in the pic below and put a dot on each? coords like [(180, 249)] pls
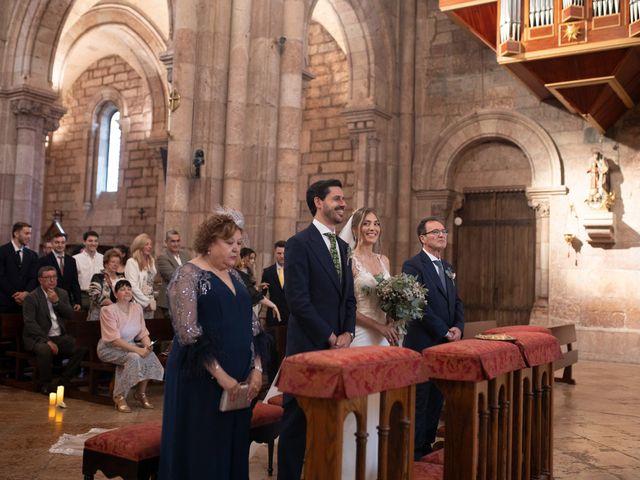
[(600, 196)]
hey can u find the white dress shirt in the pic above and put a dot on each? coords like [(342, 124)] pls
[(87, 267), (55, 330), (322, 228), (436, 259)]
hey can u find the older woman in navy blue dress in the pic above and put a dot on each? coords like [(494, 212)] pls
[(213, 351)]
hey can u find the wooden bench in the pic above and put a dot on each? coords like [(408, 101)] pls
[(472, 329), (11, 332), (566, 335), (133, 452)]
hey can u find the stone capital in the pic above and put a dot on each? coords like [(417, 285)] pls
[(365, 119), (539, 198), (35, 109)]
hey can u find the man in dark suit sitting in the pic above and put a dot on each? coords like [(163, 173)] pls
[(66, 269), (18, 269), (273, 275), (319, 291), (45, 311), (443, 321)]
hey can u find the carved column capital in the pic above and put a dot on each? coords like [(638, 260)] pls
[(36, 110), (365, 119)]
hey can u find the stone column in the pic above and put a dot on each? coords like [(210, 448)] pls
[(366, 126), (183, 71), (406, 142), (36, 115), (539, 198), (289, 119), (237, 104)]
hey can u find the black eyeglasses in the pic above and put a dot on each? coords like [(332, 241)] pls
[(437, 232)]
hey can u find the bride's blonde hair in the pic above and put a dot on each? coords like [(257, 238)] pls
[(357, 221)]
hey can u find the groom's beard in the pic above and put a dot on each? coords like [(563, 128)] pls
[(335, 215)]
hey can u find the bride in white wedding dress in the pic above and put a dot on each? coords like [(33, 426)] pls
[(362, 232)]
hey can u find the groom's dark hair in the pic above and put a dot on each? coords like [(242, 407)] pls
[(320, 189)]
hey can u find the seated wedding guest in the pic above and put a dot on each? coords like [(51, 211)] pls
[(89, 262), (45, 311), (212, 353), (124, 256), (172, 258), (66, 269), (101, 290), (18, 269), (140, 270), (122, 325)]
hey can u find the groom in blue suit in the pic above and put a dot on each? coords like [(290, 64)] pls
[(443, 321), (322, 306)]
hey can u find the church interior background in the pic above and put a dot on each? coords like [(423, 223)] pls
[(104, 105), (130, 116)]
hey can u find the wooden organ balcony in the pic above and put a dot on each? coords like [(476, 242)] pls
[(585, 53)]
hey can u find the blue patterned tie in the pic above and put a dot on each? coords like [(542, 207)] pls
[(440, 270), (334, 253)]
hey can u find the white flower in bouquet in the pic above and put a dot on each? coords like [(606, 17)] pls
[(403, 298)]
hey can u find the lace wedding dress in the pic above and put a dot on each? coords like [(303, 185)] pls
[(364, 283)]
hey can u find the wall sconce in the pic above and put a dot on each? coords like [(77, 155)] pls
[(571, 232), (198, 161), (280, 43)]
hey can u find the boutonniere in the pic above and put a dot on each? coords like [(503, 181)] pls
[(451, 274)]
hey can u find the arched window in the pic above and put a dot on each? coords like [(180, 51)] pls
[(108, 150)]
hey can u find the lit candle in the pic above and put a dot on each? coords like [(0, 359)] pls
[(52, 412), (60, 394), (52, 399)]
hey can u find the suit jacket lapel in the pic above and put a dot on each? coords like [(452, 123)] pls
[(430, 268), (320, 250)]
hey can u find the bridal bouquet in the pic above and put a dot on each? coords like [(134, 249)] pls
[(403, 298)]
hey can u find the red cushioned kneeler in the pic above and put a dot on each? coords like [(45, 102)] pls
[(131, 452)]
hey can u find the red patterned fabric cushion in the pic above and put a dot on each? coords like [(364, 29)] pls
[(276, 400), (350, 372), (537, 348), (134, 442), (436, 457), (519, 328), (427, 471), (472, 360), (264, 414)]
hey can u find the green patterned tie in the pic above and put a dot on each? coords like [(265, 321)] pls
[(334, 253)]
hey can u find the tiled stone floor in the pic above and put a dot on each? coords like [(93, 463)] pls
[(597, 429)]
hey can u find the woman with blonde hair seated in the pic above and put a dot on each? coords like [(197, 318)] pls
[(140, 270), (125, 342)]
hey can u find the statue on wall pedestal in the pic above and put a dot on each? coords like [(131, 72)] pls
[(600, 196)]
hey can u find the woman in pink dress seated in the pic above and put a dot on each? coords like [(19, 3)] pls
[(123, 328)]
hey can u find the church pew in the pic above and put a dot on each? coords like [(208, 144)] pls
[(499, 405), (566, 335), (331, 384)]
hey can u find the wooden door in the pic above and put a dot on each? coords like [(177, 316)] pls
[(494, 256)]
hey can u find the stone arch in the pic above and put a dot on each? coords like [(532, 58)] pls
[(536, 144), (133, 38), (370, 57), (433, 184)]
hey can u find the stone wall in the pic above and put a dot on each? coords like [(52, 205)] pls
[(325, 143), (592, 286), (68, 187)]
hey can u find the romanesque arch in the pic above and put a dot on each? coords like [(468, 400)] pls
[(433, 178), (536, 144)]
